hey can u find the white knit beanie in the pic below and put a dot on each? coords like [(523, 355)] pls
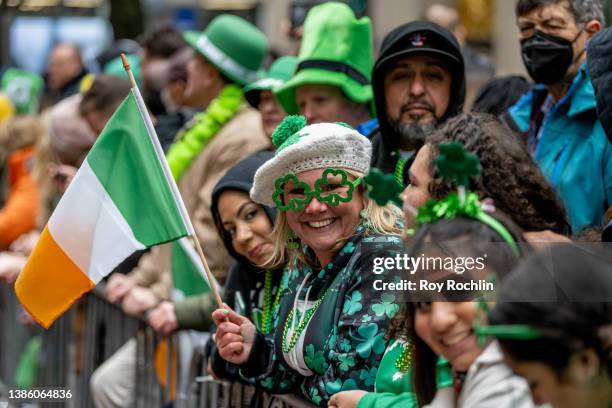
[(301, 148)]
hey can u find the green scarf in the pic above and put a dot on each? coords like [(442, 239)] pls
[(204, 127)]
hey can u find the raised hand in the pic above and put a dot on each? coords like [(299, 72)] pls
[(235, 335)]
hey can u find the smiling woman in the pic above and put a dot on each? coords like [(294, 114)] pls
[(331, 320), (446, 327)]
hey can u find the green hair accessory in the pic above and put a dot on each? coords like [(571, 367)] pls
[(452, 207), (505, 332), (383, 188), (329, 192), (455, 164)]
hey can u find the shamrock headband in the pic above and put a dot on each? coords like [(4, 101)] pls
[(299, 195), (456, 165), (506, 332), (502, 332)]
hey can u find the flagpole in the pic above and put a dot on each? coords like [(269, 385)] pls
[(170, 179)]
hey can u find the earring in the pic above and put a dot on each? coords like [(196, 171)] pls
[(293, 242), (365, 219)]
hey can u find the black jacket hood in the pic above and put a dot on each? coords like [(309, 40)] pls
[(240, 177), (421, 37)]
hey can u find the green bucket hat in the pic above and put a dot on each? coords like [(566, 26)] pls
[(279, 73), (336, 50), (233, 45)]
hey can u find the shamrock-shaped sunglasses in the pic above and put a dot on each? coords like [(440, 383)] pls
[(334, 187)]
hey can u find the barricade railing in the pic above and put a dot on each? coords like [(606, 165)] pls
[(14, 337), (80, 341), (207, 392), (92, 331)]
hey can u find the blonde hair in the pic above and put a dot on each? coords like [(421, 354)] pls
[(382, 220), (19, 132)]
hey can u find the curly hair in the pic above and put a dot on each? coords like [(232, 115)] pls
[(509, 174)]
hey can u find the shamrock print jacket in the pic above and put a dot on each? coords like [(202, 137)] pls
[(345, 339)]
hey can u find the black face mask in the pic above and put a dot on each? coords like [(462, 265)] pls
[(547, 57)]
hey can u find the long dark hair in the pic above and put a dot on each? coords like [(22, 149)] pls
[(566, 294), (474, 236), (509, 174)]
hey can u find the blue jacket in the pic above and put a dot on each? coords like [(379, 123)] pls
[(573, 151)]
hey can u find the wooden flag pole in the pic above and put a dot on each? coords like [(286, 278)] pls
[(194, 239)]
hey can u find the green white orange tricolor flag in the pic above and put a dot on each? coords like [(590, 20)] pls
[(188, 274), (122, 199)]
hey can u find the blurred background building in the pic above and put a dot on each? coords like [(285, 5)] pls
[(29, 28)]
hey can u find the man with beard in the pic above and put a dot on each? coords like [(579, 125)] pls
[(418, 82)]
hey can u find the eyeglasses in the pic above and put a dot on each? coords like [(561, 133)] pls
[(332, 188)]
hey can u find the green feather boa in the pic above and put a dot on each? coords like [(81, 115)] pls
[(204, 127)]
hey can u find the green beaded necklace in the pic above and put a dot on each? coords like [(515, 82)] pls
[(399, 169), (270, 310), (287, 347), (404, 361)]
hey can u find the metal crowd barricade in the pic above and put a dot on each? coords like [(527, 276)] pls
[(77, 343), (207, 392), (13, 336), (107, 329), (88, 334)]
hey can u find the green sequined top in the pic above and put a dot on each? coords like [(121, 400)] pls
[(393, 388)]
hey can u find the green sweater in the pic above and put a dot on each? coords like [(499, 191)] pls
[(394, 388)]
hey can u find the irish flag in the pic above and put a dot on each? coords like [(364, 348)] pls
[(188, 274), (122, 199)]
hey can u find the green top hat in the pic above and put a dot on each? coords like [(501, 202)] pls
[(279, 73), (235, 46), (336, 50)]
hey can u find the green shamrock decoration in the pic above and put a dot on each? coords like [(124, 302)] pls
[(387, 306), (330, 197), (369, 340), (294, 204), (338, 386), (347, 362), (315, 360), (353, 305), (450, 207), (456, 164), (383, 188), (368, 376)]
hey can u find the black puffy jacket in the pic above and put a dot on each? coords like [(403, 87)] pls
[(599, 61)]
